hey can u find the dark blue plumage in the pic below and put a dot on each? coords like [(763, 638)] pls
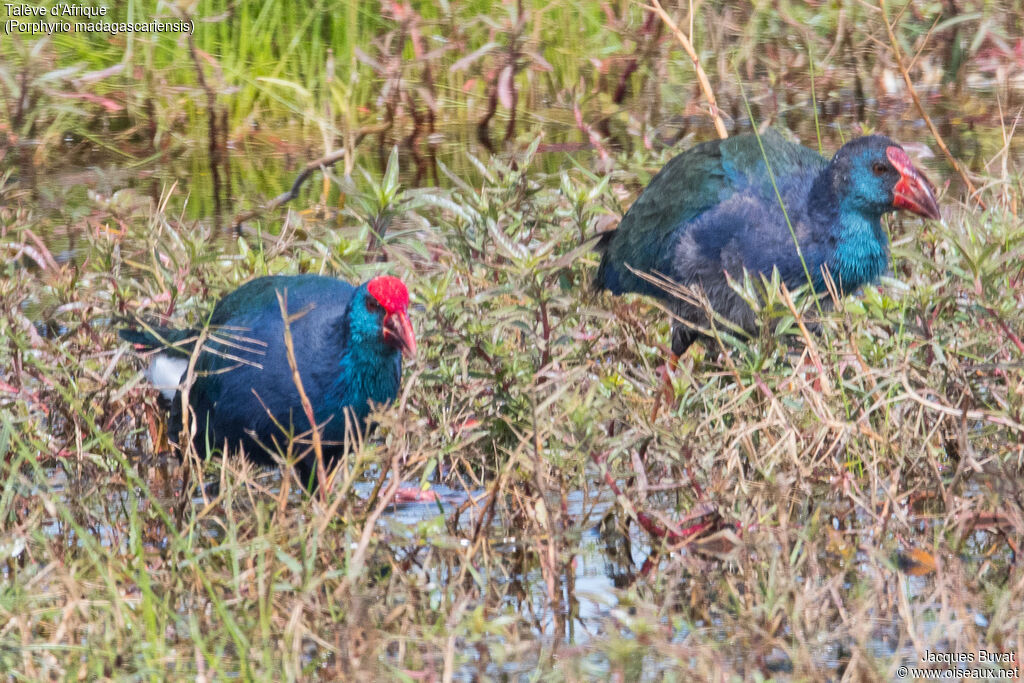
[(713, 210), (348, 344)]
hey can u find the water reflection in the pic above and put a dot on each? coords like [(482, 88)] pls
[(214, 188)]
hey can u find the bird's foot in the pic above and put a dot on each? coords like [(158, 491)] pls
[(414, 494)]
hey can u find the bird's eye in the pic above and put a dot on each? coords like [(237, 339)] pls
[(371, 305), (879, 168)]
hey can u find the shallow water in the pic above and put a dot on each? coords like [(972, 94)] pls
[(259, 170), (601, 570)]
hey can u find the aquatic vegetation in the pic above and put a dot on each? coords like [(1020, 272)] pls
[(856, 487)]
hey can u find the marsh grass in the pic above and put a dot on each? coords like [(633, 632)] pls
[(868, 507), (857, 485)]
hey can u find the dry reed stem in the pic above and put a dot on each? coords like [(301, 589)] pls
[(920, 108), (307, 406), (366, 535), (808, 340), (702, 77)]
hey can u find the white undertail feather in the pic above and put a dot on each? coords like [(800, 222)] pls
[(165, 373)]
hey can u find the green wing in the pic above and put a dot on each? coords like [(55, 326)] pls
[(690, 184)]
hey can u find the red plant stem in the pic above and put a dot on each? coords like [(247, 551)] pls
[(1005, 328), (594, 138), (673, 534)]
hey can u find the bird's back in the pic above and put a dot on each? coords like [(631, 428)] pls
[(244, 379), (710, 194), (243, 390), (257, 300), (246, 328)]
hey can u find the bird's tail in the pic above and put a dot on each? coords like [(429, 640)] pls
[(605, 271), (170, 362), (173, 341)]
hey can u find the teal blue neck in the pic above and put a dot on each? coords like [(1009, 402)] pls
[(366, 374), (368, 370), (860, 255)]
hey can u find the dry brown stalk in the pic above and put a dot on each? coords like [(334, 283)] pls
[(808, 340), (358, 557), (702, 77), (307, 406), (898, 54)]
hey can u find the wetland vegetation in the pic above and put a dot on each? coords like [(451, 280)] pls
[(856, 490)]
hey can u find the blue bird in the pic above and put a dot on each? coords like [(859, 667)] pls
[(713, 211), (348, 347)]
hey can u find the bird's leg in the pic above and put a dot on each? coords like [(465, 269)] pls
[(414, 494), (682, 337)]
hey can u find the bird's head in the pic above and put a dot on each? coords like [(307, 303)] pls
[(874, 175), (380, 310)]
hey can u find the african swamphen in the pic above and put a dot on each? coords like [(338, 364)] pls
[(348, 345), (713, 210)]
